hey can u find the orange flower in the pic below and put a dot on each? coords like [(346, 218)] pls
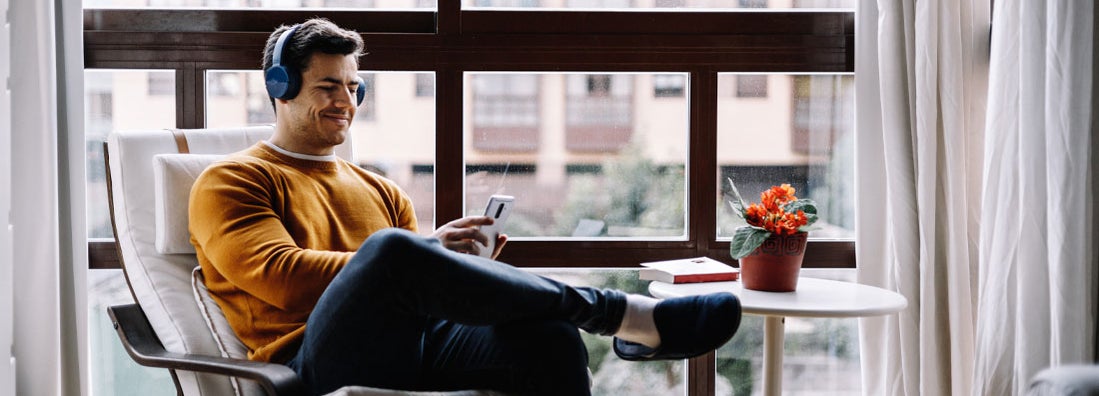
[(768, 214), (769, 217)]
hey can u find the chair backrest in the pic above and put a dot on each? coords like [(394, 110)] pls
[(149, 183)]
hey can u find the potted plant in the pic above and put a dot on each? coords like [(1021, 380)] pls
[(771, 247)]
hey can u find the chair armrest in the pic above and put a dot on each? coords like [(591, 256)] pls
[(145, 348)]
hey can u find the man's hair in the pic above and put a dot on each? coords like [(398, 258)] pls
[(317, 34)]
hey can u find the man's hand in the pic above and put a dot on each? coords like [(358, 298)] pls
[(459, 235)]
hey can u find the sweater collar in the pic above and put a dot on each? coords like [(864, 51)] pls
[(307, 157)]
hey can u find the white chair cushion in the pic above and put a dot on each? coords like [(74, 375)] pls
[(161, 283), (227, 341), (173, 176)]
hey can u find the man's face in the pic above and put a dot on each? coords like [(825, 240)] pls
[(317, 119)]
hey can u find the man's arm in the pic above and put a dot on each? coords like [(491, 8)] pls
[(233, 224)]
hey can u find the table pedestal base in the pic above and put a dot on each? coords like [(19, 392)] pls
[(773, 334)]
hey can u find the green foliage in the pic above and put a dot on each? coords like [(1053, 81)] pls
[(737, 203), (736, 356), (599, 348), (645, 194), (633, 191), (807, 206), (586, 199), (739, 374), (746, 240)]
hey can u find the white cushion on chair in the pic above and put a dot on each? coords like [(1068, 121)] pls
[(161, 283), (227, 341), (173, 176)]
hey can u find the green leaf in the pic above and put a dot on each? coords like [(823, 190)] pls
[(738, 210), (739, 205), (746, 240), (805, 205)]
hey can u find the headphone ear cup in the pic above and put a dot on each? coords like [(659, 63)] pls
[(277, 80), (282, 82), (360, 93), (293, 85)]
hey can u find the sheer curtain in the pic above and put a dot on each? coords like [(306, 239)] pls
[(921, 91), (1038, 267), (7, 370), (48, 255)]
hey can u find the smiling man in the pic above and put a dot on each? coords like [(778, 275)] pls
[(317, 264)]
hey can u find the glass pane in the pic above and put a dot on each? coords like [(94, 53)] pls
[(585, 155), (796, 129), (117, 100), (820, 355), (267, 4), (659, 4), (612, 376), (112, 372), (393, 132)]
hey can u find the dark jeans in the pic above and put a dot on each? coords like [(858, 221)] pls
[(406, 313)]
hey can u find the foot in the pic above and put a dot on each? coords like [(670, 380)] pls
[(688, 326)]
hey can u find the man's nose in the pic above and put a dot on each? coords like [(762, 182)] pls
[(347, 97)]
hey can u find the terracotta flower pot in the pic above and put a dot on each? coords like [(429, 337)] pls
[(774, 265)]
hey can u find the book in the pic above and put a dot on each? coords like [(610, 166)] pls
[(689, 270)]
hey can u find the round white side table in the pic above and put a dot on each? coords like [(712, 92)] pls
[(817, 298)]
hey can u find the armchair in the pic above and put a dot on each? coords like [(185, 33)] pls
[(174, 323)]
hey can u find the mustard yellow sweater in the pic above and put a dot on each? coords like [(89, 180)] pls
[(271, 231)]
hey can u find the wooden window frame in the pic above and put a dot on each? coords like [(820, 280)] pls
[(451, 41)]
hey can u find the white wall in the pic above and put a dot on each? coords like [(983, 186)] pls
[(7, 364)]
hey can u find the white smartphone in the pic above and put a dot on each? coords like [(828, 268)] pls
[(499, 208)]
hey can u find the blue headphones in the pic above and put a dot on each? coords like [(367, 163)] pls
[(284, 81)]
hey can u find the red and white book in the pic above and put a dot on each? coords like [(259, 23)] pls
[(689, 270)]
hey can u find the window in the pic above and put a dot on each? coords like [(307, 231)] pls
[(425, 85), (751, 86), (599, 112), (497, 100), (349, 3), (589, 175), (160, 84), (802, 134), (615, 136), (668, 85), (114, 100), (657, 4), (262, 4), (506, 112), (368, 110), (224, 84)]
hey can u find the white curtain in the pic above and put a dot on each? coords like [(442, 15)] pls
[(48, 251), (7, 370), (1038, 270), (921, 89)]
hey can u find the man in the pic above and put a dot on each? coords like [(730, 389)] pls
[(316, 263)]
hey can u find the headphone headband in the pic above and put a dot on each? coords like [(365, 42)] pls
[(280, 45), (284, 81)]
